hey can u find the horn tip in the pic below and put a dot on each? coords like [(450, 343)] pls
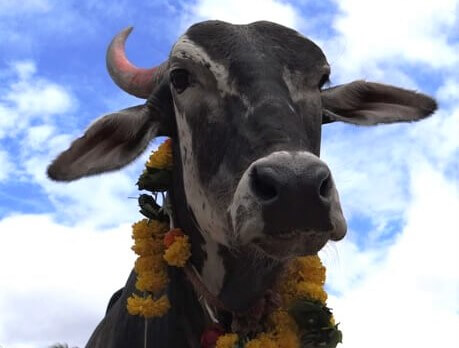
[(127, 30)]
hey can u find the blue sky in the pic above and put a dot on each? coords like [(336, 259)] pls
[(65, 248)]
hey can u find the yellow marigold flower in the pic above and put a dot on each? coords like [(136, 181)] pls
[(152, 281), (281, 320), (311, 292), (262, 341), (310, 268), (178, 252), (140, 229), (147, 247), (156, 308), (227, 341), (161, 158), (147, 228), (134, 304), (285, 330), (148, 263), (288, 339), (147, 307)]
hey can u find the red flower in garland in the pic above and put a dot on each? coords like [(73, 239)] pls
[(210, 336)]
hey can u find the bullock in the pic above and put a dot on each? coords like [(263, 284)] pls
[(244, 105)]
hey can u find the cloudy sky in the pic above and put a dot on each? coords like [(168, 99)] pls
[(65, 248)]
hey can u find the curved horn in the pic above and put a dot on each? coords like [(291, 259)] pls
[(131, 79)]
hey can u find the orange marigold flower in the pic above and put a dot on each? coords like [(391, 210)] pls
[(310, 268), (227, 341), (170, 236), (156, 308), (311, 292), (179, 252), (152, 281), (288, 339), (147, 228), (148, 263), (146, 247), (281, 320), (161, 158), (262, 341), (147, 306)]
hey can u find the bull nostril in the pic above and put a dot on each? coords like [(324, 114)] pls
[(325, 185), (263, 184)]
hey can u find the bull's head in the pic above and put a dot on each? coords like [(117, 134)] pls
[(245, 106)]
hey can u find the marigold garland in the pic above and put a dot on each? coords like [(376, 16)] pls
[(301, 287), (151, 270), (303, 279)]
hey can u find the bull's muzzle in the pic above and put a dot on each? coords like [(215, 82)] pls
[(288, 196), (292, 197)]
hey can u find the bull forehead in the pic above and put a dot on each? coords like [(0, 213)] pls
[(254, 60), (263, 104)]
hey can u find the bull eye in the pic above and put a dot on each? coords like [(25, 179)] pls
[(179, 79), (324, 80)]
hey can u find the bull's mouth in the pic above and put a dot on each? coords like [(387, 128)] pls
[(292, 243)]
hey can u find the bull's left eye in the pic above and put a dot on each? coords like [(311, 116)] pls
[(179, 79), (324, 80)]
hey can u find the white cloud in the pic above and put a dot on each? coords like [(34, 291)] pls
[(65, 264), (10, 7), (241, 12), (406, 297), (32, 95), (32, 107), (30, 98), (378, 32), (449, 92), (57, 280), (402, 293), (6, 165)]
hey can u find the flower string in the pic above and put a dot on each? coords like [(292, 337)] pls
[(157, 247), (302, 319), (301, 285)]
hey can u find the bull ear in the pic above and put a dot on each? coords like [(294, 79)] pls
[(368, 103), (109, 143)]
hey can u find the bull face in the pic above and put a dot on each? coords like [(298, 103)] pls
[(246, 105), (249, 117)]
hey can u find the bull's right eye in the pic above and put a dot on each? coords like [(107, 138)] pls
[(179, 79)]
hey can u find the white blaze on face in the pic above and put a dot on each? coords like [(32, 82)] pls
[(210, 222), (246, 207), (185, 48)]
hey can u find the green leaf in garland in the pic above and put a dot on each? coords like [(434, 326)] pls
[(155, 180), (314, 322), (151, 209)]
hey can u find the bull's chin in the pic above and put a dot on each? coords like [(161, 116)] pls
[(293, 244)]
